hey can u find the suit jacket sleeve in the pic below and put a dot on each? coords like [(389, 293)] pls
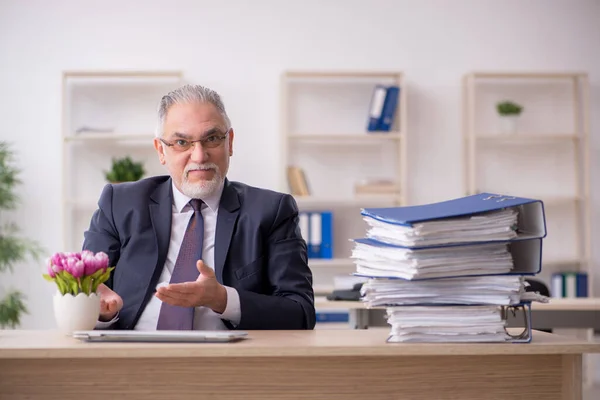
[(291, 304), (102, 234)]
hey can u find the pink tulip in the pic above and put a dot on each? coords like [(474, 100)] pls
[(57, 262), (102, 260), (69, 263), (74, 266), (91, 262), (88, 261), (86, 253), (73, 255), (78, 269)]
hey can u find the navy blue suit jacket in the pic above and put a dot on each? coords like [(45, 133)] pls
[(258, 250)]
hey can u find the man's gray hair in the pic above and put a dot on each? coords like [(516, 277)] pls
[(189, 94)]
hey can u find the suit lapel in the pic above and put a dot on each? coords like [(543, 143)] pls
[(161, 215), (229, 209)]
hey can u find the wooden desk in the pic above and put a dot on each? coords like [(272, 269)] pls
[(558, 313), (320, 364)]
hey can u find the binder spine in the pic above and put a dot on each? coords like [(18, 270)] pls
[(315, 226), (376, 108), (326, 235), (389, 108)]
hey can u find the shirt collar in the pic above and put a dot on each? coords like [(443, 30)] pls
[(180, 200)]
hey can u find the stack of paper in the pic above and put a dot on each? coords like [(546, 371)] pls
[(446, 271), (381, 260), (489, 226), (496, 290), (446, 324)]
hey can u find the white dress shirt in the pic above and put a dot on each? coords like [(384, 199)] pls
[(204, 317)]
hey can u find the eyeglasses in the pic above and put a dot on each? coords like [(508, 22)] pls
[(209, 142)]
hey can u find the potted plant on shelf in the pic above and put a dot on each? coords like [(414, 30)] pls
[(13, 247), (124, 170), (77, 277), (509, 113)]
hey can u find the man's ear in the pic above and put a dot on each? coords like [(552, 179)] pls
[(231, 134), (160, 150)]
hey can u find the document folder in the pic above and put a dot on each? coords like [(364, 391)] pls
[(464, 216), (444, 261), (479, 330)]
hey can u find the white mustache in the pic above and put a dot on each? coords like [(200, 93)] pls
[(196, 167)]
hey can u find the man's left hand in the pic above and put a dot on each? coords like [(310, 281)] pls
[(205, 291)]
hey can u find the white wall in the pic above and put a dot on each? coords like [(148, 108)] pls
[(241, 52)]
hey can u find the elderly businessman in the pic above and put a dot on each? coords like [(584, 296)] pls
[(193, 250)]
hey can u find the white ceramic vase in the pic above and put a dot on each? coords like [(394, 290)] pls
[(75, 313), (509, 124)]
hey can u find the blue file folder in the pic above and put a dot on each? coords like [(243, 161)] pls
[(389, 108), (531, 221), (376, 107), (526, 255), (317, 231)]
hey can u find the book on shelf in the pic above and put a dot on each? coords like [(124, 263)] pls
[(382, 108), (316, 228), (569, 285), (297, 181), (451, 271)]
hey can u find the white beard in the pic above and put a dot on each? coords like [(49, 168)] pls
[(201, 189)]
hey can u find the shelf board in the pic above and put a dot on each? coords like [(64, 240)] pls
[(559, 263), (527, 75), (123, 73), (358, 138), (527, 138), (144, 78), (358, 201), (342, 74), (559, 201), (330, 263), (110, 137)]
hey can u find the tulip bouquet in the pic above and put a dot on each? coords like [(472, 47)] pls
[(76, 273)]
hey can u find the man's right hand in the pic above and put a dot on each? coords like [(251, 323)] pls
[(110, 303)]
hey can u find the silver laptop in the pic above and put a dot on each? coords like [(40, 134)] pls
[(159, 336)]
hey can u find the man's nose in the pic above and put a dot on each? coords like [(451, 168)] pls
[(199, 153)]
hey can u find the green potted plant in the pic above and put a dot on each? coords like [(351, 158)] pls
[(13, 247), (124, 170), (509, 112)]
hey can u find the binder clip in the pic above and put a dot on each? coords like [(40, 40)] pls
[(525, 309)]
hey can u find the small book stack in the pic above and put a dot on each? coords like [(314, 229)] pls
[(451, 271)]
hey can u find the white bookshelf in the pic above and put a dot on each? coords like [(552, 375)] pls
[(359, 139), (110, 137), (324, 118), (119, 108), (545, 158)]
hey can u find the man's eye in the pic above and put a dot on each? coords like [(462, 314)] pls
[(211, 139), (182, 143)]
